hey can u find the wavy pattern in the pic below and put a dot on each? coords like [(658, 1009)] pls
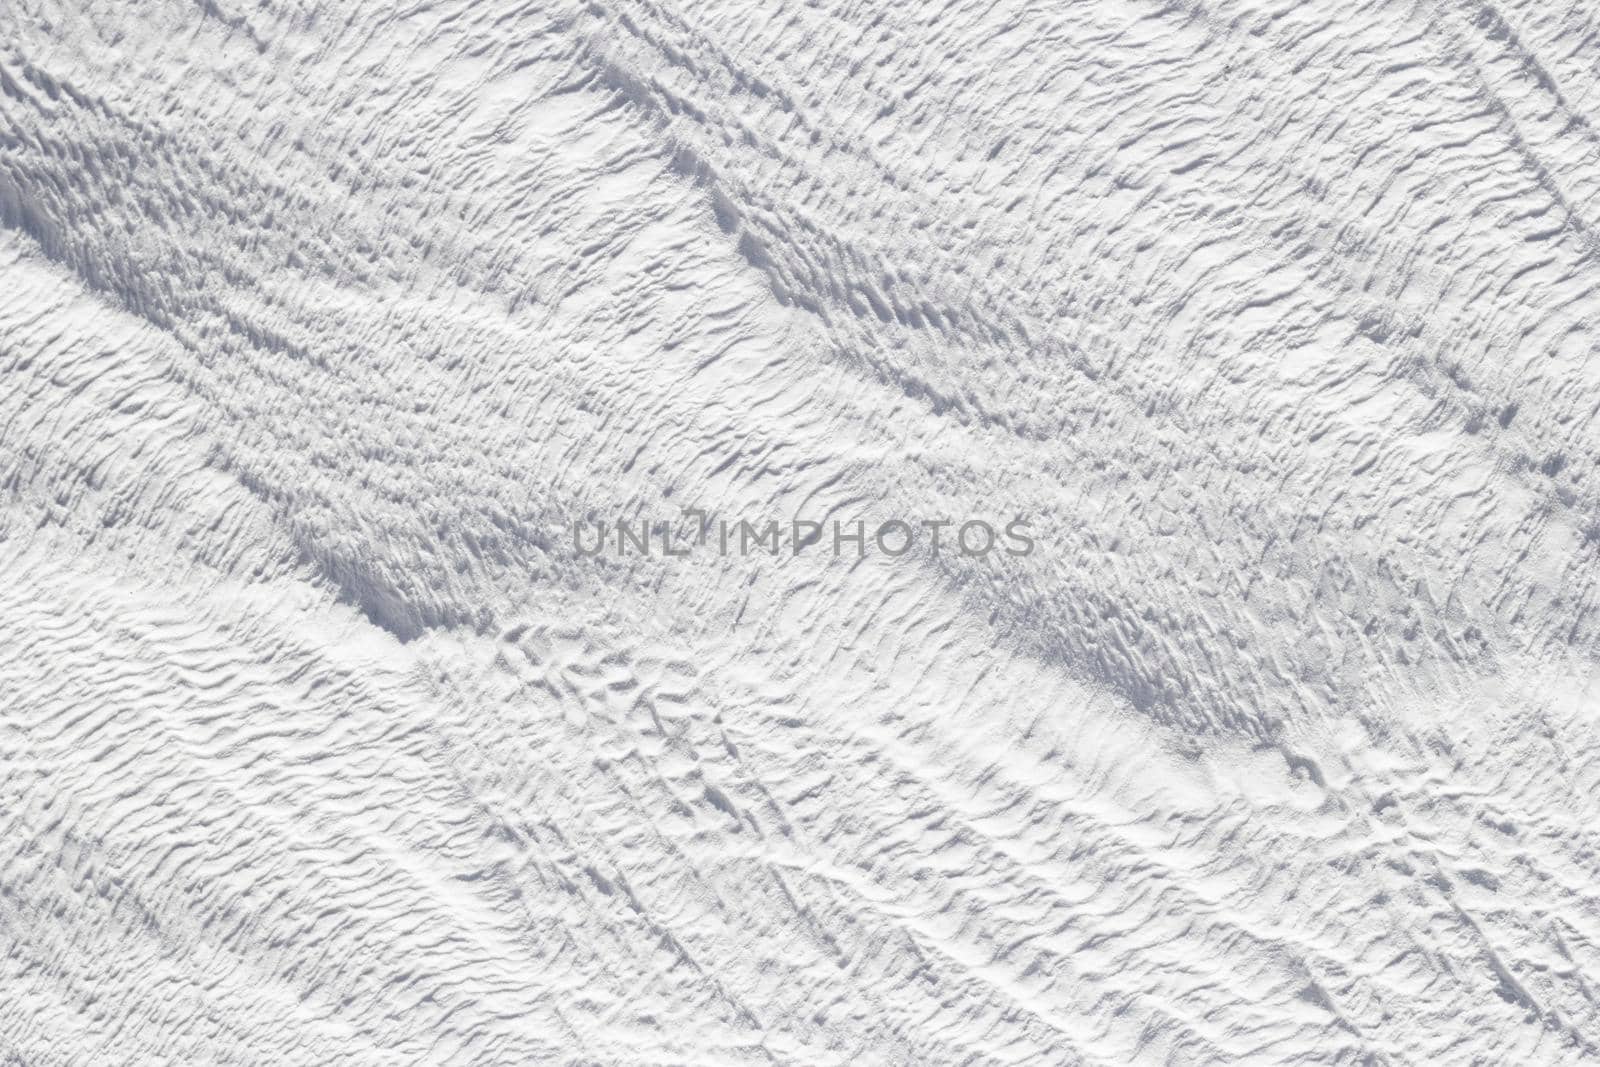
[(323, 325)]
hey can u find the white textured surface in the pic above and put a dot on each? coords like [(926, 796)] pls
[(321, 325)]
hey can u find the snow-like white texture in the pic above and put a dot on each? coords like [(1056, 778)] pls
[(321, 325)]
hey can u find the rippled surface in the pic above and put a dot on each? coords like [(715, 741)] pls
[(321, 327)]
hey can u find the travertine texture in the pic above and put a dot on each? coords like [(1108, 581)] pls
[(322, 326)]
